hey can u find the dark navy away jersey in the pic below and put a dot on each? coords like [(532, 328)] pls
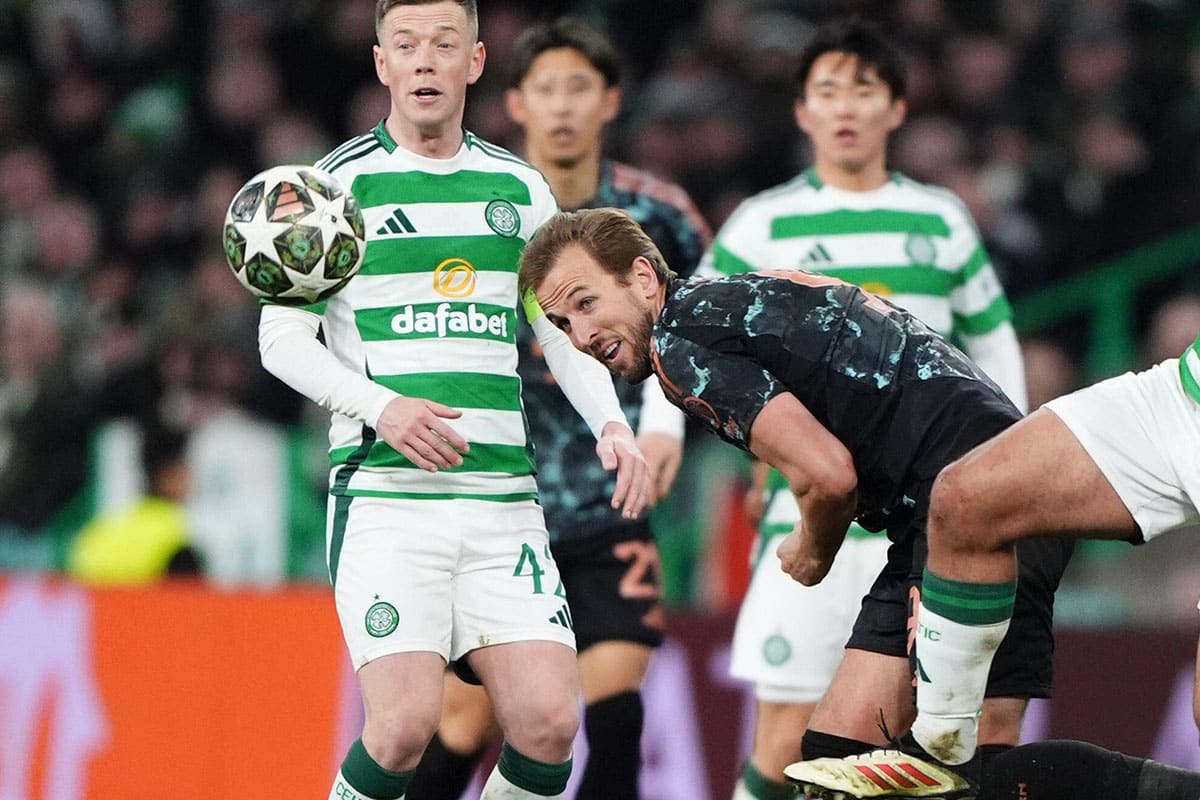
[(899, 397)]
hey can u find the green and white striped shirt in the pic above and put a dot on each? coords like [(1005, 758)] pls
[(433, 312), (910, 243)]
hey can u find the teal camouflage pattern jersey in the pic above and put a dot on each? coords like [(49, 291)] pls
[(574, 490), (895, 393)]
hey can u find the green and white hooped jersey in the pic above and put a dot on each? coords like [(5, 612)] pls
[(910, 243), (433, 311), (1189, 370)]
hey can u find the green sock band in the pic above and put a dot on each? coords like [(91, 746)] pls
[(367, 777), (533, 776), (968, 603), (763, 788)]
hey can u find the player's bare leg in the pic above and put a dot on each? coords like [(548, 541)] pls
[(467, 726), (778, 731), (1034, 478), (866, 689), (534, 688), (402, 697), (611, 674)]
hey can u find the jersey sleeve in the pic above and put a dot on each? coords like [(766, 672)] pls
[(735, 249), (982, 315), (977, 299), (723, 390), (586, 382), (288, 346), (544, 206)]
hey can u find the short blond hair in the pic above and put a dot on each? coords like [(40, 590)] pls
[(382, 7), (609, 235)]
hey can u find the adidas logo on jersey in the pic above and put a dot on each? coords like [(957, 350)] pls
[(397, 223), (818, 255)]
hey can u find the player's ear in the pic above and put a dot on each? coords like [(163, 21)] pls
[(897, 114), (514, 104), (645, 278), (380, 67), (612, 103), (478, 56), (800, 111)]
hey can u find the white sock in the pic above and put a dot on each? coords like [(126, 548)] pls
[(500, 788), (953, 660), (740, 792)]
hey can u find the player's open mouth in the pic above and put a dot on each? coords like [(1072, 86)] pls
[(846, 136), (426, 93), (610, 352), (562, 132)]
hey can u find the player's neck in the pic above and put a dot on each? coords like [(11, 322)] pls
[(573, 185), (442, 143), (866, 179)]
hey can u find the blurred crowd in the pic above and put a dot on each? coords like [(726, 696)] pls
[(1071, 128)]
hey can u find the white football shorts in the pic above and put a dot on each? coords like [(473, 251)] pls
[(445, 576), (789, 638), (1143, 432)]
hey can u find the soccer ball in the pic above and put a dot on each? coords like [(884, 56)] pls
[(293, 235)]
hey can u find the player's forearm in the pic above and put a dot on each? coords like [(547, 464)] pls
[(584, 380), (290, 351), (825, 516)]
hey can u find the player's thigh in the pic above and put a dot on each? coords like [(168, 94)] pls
[(607, 669), (789, 638), (1140, 431), (1034, 478), (391, 561), (402, 696), (534, 688)]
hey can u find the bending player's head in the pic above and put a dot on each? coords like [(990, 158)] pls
[(564, 88), (599, 278)]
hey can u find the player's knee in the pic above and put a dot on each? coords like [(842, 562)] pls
[(545, 729), (955, 509), (395, 738)]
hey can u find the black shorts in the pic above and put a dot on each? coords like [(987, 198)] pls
[(613, 586), (1024, 664)]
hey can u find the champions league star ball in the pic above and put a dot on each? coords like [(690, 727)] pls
[(293, 235)]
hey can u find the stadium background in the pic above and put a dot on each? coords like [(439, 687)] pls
[(1070, 128)]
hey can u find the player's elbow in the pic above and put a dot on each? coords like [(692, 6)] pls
[(835, 480)]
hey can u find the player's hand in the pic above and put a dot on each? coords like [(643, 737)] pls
[(664, 454), (416, 428), (800, 560), (618, 450)]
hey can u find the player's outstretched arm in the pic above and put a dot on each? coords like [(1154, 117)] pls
[(821, 473), (618, 450)]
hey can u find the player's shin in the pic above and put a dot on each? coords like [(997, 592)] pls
[(959, 627)]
